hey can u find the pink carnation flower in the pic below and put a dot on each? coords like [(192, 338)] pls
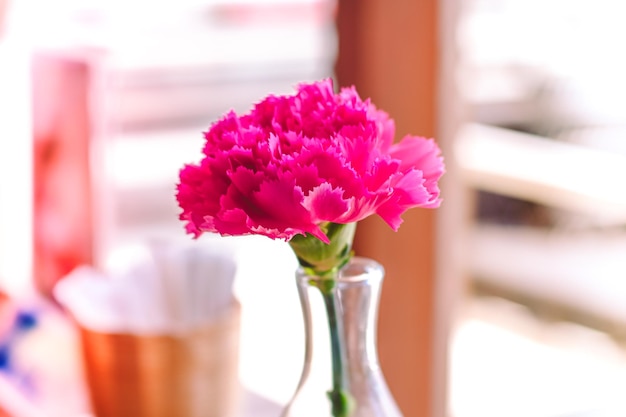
[(295, 162)]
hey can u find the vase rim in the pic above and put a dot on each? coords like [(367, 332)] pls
[(359, 269)]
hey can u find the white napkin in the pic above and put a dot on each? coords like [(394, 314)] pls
[(163, 287)]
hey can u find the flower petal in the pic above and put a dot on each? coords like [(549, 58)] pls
[(326, 204), (420, 153), (279, 203)]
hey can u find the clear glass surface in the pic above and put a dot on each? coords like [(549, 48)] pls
[(357, 293)]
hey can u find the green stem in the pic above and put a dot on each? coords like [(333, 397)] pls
[(323, 261), (339, 396)]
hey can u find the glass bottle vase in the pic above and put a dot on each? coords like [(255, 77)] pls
[(341, 376)]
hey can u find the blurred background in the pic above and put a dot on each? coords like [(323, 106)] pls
[(101, 103)]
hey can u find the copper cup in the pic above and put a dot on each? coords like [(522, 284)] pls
[(194, 374)]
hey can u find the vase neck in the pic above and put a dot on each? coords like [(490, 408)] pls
[(356, 296)]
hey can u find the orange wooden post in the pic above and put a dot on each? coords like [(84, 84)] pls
[(388, 49)]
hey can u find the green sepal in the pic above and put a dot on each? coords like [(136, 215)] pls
[(325, 259)]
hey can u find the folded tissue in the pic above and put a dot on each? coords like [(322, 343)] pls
[(150, 288)]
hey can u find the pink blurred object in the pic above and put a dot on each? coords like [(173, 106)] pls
[(4, 6), (62, 226)]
